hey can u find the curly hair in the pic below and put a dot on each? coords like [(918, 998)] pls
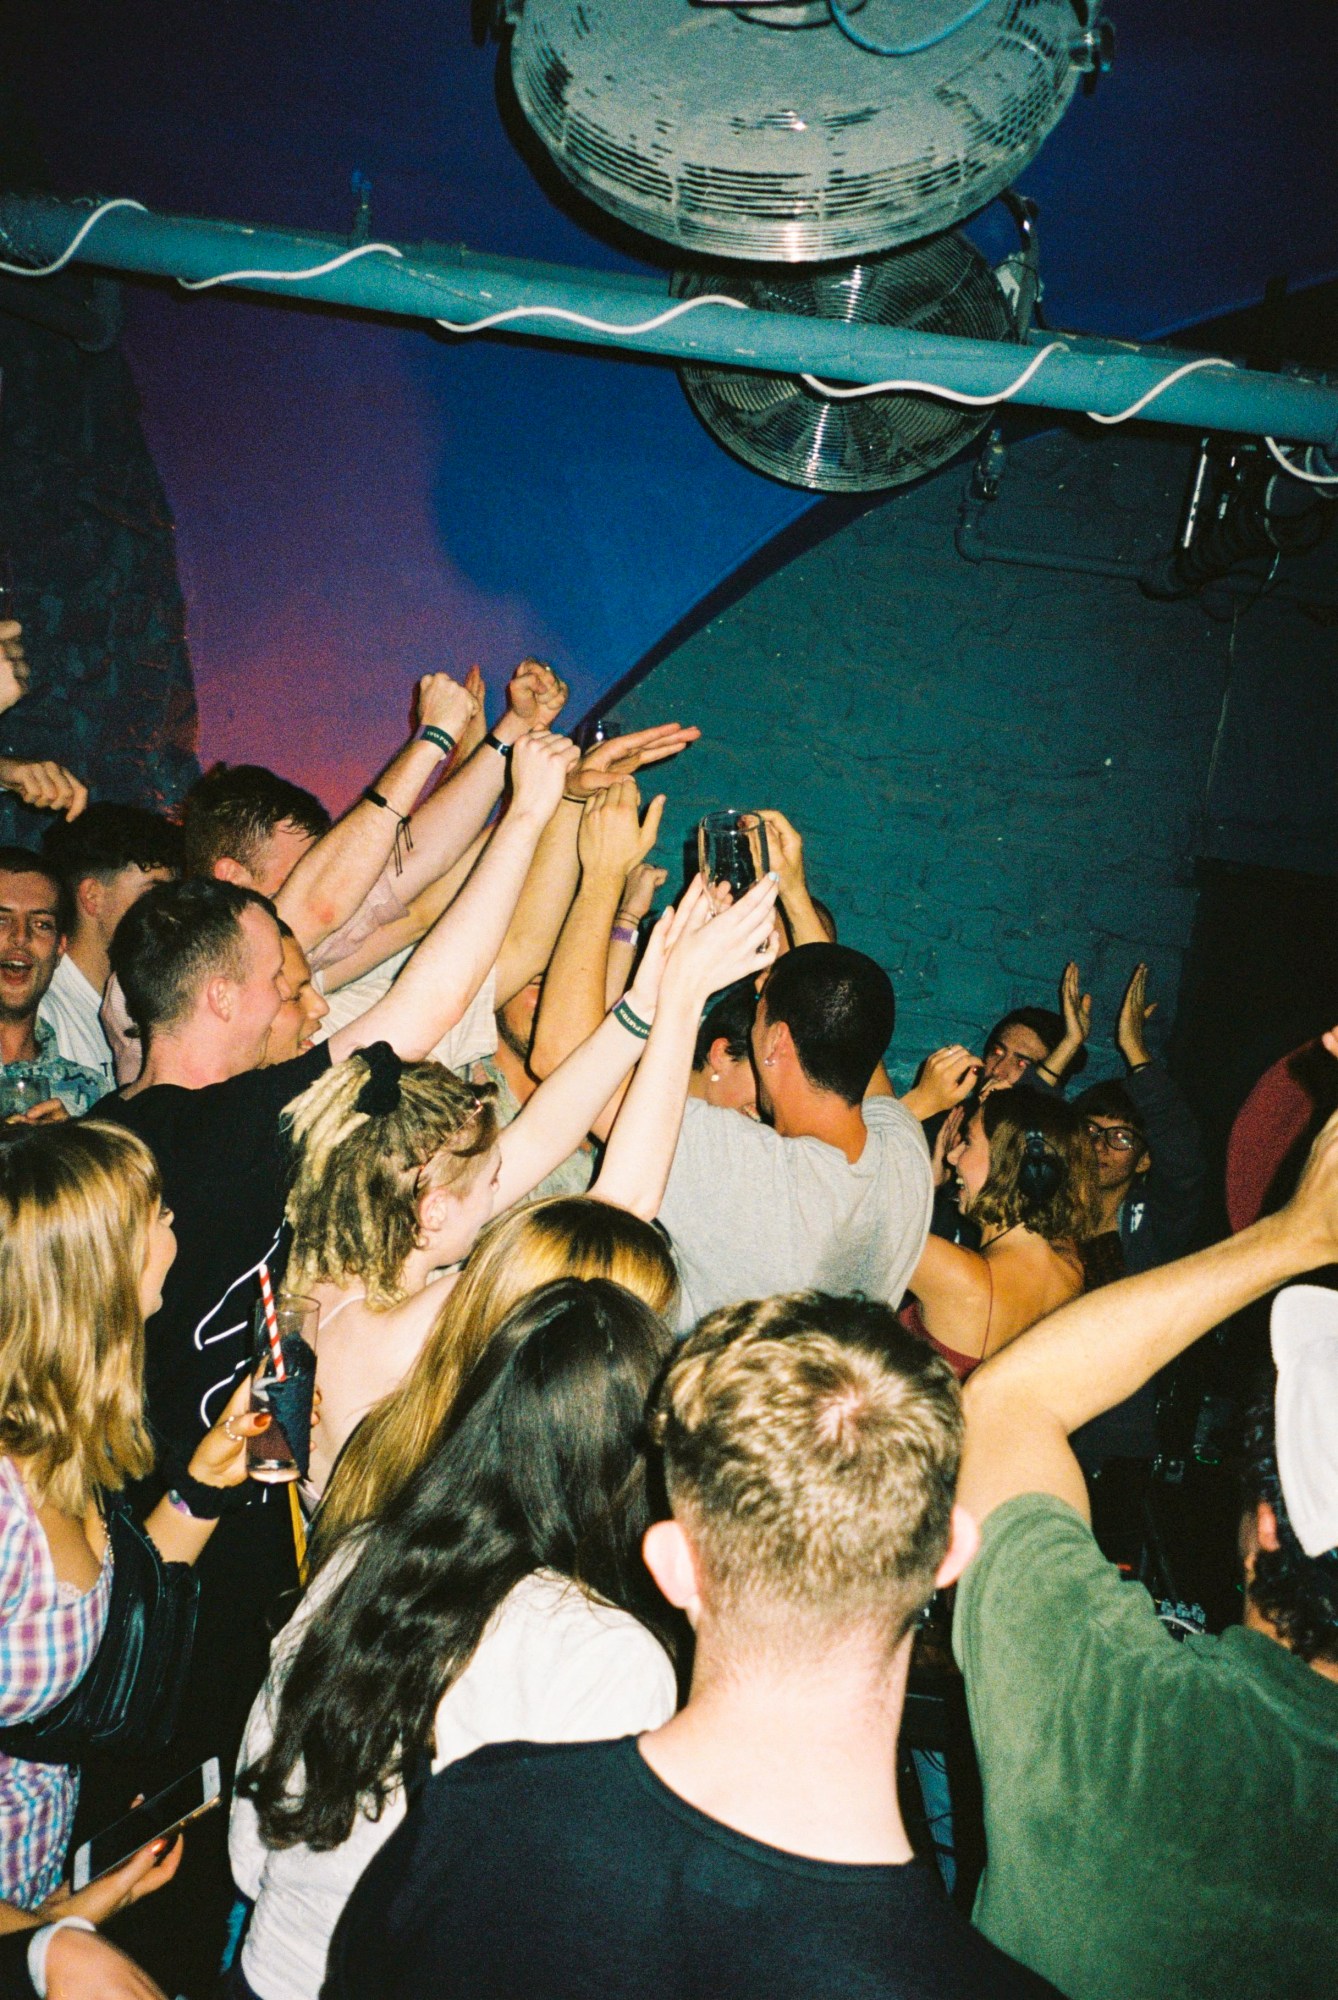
[(361, 1169), (1296, 1593), (1042, 1173)]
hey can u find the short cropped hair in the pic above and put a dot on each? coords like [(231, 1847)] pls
[(729, 1018), (107, 838), (811, 1448), (22, 861), (234, 809), (840, 1009), (178, 935)]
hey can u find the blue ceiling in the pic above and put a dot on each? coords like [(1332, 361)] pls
[(357, 502)]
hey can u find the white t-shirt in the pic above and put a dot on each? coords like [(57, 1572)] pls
[(473, 1036), (751, 1213), (70, 1008), (553, 1666)]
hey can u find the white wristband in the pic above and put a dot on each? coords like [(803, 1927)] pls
[(40, 1944)]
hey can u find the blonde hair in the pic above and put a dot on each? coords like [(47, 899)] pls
[(361, 1171), (76, 1204), (811, 1448), (566, 1236)]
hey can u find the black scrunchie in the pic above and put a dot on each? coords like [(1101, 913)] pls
[(381, 1092), (1042, 1168)]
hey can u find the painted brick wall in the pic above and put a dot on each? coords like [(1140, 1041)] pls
[(994, 768)]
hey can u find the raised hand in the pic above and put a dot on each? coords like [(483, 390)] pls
[(949, 1132), (623, 756), (710, 951), (644, 882), (219, 1459), (786, 849), (49, 787), (613, 839), (1075, 1005), (947, 1079), (476, 728), (442, 703), (535, 695), (13, 664), (541, 767), (1312, 1211), (1136, 1010)]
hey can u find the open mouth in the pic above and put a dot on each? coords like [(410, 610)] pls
[(16, 968)]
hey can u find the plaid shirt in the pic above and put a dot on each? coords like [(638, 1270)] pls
[(77, 1088), (48, 1636)]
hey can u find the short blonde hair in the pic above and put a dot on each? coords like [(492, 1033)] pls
[(360, 1173), (76, 1204), (811, 1448), (566, 1236)]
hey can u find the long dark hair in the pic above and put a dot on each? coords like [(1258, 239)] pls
[(541, 1465), (1042, 1173)]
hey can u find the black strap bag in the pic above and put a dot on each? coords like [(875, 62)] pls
[(130, 1695)]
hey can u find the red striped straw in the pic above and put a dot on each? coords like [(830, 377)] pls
[(272, 1322)]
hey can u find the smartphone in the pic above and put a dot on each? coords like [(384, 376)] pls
[(159, 1818)]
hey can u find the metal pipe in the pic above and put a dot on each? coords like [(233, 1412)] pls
[(439, 282)]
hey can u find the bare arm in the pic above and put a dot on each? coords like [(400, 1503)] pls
[(1022, 1407), (405, 931), (448, 968), (335, 876), (952, 1284), (639, 892), (610, 841), (786, 849), (705, 953)]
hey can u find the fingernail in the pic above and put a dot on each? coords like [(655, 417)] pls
[(159, 1849)]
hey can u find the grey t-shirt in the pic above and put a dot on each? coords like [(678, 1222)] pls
[(751, 1213)]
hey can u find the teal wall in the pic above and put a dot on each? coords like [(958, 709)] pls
[(994, 768)]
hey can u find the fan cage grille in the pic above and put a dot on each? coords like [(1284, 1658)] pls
[(780, 427)]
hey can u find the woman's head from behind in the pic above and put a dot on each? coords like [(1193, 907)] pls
[(84, 1249), (567, 1236), (1023, 1158), (392, 1157), (540, 1466)]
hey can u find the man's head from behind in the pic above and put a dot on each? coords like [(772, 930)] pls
[(34, 924), (811, 1448), (108, 858), (204, 960), (824, 1021), (246, 825)]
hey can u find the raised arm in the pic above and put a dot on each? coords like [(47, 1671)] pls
[(1076, 1007), (335, 876), (448, 968), (1023, 1406), (705, 954), (610, 841), (786, 849)]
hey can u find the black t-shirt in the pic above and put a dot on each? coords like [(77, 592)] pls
[(565, 1871), (226, 1168)]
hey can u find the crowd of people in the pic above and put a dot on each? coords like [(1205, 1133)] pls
[(669, 1368)]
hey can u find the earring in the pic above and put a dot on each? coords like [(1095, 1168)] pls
[(715, 1076), (768, 1062)]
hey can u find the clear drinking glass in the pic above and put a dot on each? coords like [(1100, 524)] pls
[(20, 1093), (282, 1451), (731, 853)]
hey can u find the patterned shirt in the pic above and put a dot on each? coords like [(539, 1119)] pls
[(77, 1088), (49, 1633)]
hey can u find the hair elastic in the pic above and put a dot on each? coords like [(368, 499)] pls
[(380, 1094)]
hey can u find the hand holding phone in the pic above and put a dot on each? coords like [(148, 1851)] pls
[(142, 1841)]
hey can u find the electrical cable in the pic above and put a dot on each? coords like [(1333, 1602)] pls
[(1310, 478), (861, 41), (583, 319), (827, 390), (312, 271), (50, 270)]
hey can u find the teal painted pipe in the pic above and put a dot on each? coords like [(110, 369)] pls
[(437, 281)]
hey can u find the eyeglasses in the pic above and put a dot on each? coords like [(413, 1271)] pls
[(1115, 1138)]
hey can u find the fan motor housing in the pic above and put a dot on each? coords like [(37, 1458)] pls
[(719, 135)]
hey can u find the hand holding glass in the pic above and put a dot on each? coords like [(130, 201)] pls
[(282, 1451), (732, 854)]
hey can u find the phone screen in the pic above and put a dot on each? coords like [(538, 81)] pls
[(166, 1812)]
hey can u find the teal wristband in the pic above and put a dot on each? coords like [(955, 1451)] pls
[(441, 737), (633, 1023)]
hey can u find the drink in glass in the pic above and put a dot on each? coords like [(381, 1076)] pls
[(731, 854), (282, 1384)]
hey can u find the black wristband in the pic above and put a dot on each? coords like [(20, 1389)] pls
[(442, 738), (375, 798), (503, 749), (205, 1503)]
